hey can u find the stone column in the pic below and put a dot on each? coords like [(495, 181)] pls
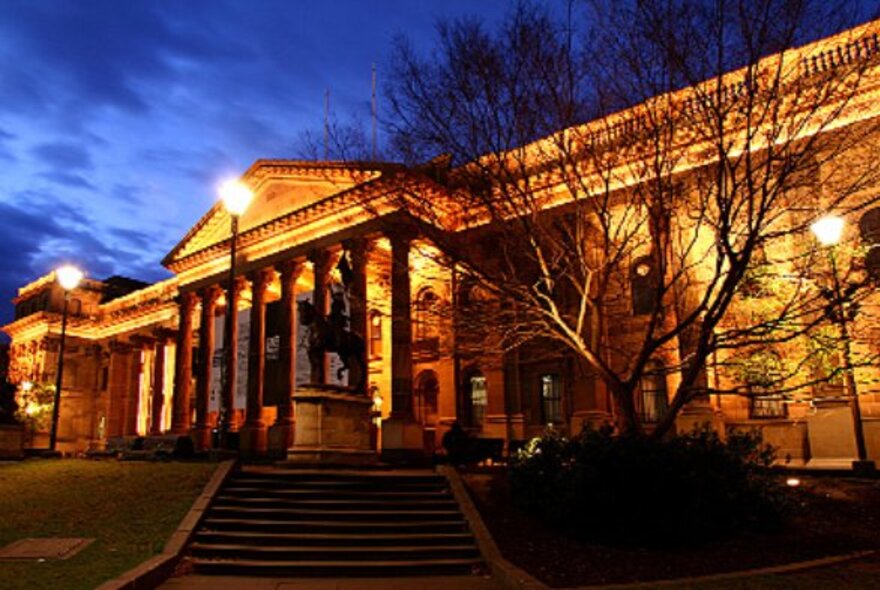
[(157, 394), (401, 328), (358, 308), (202, 430), (320, 260), (183, 365), (132, 397), (120, 360), (253, 432), (230, 352), (402, 437), (281, 433)]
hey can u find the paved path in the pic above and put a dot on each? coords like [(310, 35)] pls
[(236, 583)]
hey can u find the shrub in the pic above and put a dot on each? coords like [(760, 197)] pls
[(632, 489)]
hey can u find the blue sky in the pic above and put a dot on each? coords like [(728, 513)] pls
[(118, 118)]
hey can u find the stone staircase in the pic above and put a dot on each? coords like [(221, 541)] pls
[(341, 523)]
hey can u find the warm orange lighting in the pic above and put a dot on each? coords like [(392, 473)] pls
[(26, 386), (828, 229), (68, 276), (792, 482), (236, 196)]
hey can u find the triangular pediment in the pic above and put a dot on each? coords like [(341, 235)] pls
[(280, 188)]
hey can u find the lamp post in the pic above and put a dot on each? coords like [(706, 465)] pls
[(236, 197), (828, 230), (69, 278)]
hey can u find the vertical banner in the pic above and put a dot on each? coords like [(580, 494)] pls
[(274, 392), (239, 399), (241, 376), (216, 365)]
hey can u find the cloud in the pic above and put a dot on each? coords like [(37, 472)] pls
[(68, 155), (69, 180)]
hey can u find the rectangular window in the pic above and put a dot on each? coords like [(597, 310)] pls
[(479, 399), (766, 405), (654, 398), (551, 398)]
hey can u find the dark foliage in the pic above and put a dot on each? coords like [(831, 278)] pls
[(184, 448), (635, 490)]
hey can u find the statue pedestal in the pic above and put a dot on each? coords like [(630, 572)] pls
[(332, 426)]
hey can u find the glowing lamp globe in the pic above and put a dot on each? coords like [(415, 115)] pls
[(68, 276), (236, 196), (828, 229)]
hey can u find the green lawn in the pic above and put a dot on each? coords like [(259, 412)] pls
[(129, 508)]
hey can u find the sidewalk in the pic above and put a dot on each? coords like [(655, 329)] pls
[(236, 583)]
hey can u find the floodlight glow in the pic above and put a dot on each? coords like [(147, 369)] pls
[(68, 276), (828, 229), (236, 196)]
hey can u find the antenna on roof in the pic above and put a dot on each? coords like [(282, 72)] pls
[(326, 122), (373, 114)]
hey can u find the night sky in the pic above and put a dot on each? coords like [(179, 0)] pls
[(118, 118)]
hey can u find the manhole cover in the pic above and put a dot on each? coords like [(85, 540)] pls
[(43, 549)]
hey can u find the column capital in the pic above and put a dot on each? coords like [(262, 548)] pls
[(291, 267), (186, 300), (260, 279), (210, 294), (117, 347), (400, 233)]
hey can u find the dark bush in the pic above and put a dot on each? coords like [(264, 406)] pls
[(631, 489), (184, 448)]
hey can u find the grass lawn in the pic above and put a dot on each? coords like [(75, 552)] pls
[(130, 509)]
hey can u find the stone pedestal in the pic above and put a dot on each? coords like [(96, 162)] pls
[(201, 436), (332, 426), (831, 435), (280, 438), (402, 440), (252, 441)]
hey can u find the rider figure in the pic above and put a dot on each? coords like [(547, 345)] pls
[(337, 318)]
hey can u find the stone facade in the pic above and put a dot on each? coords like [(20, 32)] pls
[(144, 359)]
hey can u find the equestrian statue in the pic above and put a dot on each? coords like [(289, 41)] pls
[(332, 334)]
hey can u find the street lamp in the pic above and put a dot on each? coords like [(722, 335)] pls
[(236, 197), (828, 230), (68, 277)]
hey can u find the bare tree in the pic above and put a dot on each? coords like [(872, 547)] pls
[(615, 182)]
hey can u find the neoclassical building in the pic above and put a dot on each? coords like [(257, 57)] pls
[(145, 360)]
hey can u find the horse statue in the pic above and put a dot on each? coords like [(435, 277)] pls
[(333, 336)]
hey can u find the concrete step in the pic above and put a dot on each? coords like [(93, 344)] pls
[(368, 538), (288, 514), (332, 485), (385, 568), (337, 504), (215, 523), (336, 553), (420, 476), (318, 493)]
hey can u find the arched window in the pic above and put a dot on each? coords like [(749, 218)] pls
[(653, 398), (426, 308), (427, 391), (75, 307), (643, 285), (475, 398), (375, 334)]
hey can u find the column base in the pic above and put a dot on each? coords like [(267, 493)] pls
[(252, 439), (402, 440), (279, 438), (201, 435)]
